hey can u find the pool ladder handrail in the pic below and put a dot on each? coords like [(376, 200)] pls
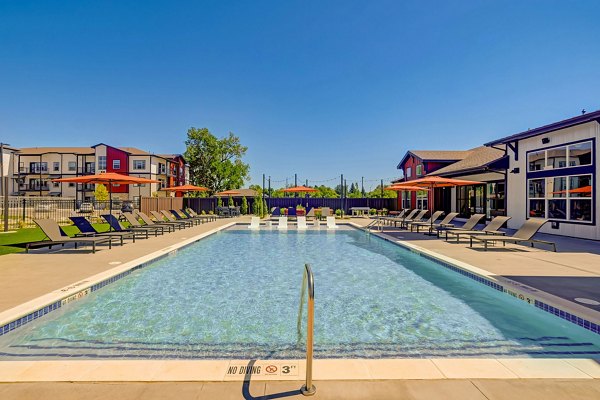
[(308, 286)]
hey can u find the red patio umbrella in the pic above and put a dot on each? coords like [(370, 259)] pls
[(185, 188), (300, 189)]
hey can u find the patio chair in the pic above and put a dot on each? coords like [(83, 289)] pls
[(53, 232), (160, 219), (87, 229), (179, 217), (400, 218), (282, 224), (254, 223), (207, 217), (467, 226), (275, 212), (301, 223), (149, 222), (310, 213), (325, 212), (524, 234), (434, 217), (418, 218), (493, 228), (170, 218), (117, 227), (446, 222), (331, 223), (291, 212)]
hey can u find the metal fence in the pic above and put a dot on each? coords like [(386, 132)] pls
[(23, 210), (208, 204)]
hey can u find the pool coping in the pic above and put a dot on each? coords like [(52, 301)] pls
[(324, 369)]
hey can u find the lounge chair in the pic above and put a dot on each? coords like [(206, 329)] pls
[(179, 217), (160, 219), (524, 234), (493, 228), (254, 223), (203, 217), (148, 222), (446, 222), (310, 213), (325, 212), (282, 224), (434, 217), (171, 218), (53, 232), (397, 219), (117, 227), (292, 212), (331, 223), (417, 218), (467, 226), (87, 229), (301, 223)]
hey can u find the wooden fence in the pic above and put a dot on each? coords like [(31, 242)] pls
[(161, 203)]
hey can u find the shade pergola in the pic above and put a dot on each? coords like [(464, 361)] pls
[(432, 182), (185, 189), (107, 178)]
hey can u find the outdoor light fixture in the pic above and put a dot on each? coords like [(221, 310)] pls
[(545, 140), (515, 170)]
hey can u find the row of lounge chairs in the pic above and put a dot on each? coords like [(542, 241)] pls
[(491, 233), (164, 221), (292, 212), (301, 223)]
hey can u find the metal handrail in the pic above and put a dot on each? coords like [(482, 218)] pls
[(308, 389)]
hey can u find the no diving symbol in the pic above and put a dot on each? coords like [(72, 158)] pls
[(271, 369)]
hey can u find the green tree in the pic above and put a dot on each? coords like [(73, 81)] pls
[(101, 193), (257, 189), (376, 193), (256, 206), (244, 207), (354, 193), (265, 208), (230, 202), (219, 202), (215, 163), (326, 192)]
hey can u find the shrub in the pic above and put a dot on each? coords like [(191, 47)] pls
[(265, 208), (230, 202), (244, 207), (204, 212), (372, 211), (338, 213), (219, 202), (256, 206)]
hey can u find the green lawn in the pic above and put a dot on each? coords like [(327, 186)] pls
[(33, 234)]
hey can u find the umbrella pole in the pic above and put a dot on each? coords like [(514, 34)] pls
[(110, 203)]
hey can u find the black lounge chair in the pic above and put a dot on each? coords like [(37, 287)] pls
[(523, 235)]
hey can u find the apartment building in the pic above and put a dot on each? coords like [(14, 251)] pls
[(35, 167)]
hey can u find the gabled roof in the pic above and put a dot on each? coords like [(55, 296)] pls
[(135, 151), (435, 155), (578, 120), (477, 159), (44, 150)]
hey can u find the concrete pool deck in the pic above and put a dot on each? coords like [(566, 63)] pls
[(25, 277)]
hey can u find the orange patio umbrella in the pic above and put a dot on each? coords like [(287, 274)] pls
[(300, 189), (432, 182), (228, 193), (107, 178), (406, 188), (186, 188)]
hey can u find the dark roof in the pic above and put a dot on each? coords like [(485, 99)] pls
[(578, 120), (435, 155), (478, 158)]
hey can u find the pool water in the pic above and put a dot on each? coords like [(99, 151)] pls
[(236, 293)]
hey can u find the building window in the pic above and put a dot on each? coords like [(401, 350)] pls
[(161, 168), (38, 167), (116, 164), (567, 198), (408, 172), (139, 164), (161, 184), (102, 162), (405, 199), (72, 166), (470, 200), (55, 184), (422, 200), (55, 166), (71, 184), (419, 170), (573, 155), (496, 202)]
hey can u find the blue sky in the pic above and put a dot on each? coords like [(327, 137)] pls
[(316, 88)]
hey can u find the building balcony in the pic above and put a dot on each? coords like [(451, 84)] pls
[(38, 171), (37, 188)]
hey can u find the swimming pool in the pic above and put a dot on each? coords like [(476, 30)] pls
[(235, 294)]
